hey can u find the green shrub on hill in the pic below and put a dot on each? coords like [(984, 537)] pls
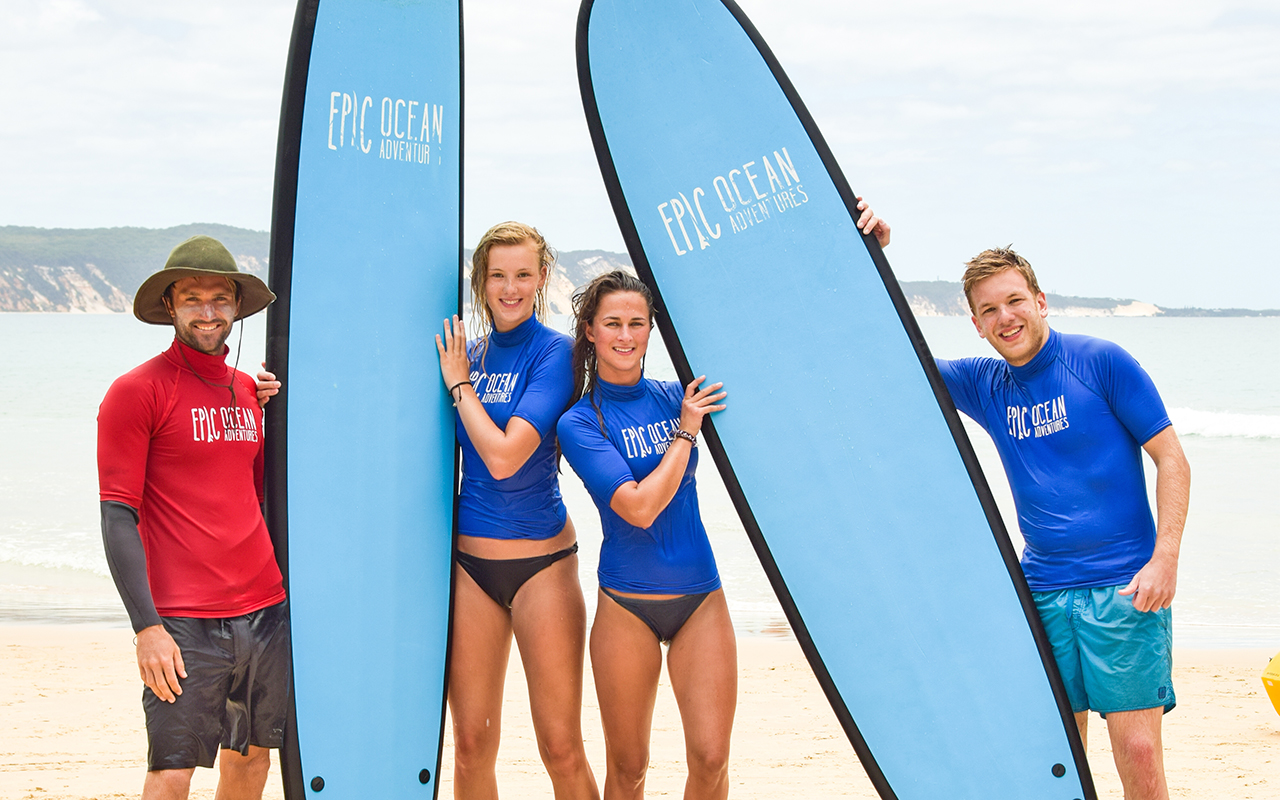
[(126, 256)]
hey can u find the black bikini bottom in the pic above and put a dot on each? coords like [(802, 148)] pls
[(664, 617), (501, 578)]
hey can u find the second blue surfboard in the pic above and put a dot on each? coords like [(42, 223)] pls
[(840, 446)]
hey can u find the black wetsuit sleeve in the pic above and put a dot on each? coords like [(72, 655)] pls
[(128, 562)]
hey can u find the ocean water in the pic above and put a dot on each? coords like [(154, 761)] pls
[(1223, 398)]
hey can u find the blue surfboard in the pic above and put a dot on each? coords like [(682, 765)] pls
[(840, 446), (365, 258)]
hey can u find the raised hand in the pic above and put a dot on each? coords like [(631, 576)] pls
[(872, 225), (455, 367), (268, 386), (699, 402)]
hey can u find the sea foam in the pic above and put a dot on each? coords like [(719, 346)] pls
[(1221, 424), (59, 550)]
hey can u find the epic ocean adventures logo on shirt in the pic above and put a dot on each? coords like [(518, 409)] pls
[(223, 424), (749, 194), (405, 129), (495, 388), (645, 440), (1041, 419)]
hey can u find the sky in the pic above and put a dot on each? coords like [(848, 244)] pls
[(1127, 148)]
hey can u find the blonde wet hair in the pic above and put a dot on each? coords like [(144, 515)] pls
[(506, 233)]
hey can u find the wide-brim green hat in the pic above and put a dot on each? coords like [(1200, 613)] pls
[(196, 257)]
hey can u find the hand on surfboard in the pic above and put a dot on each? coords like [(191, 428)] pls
[(268, 386), (160, 662), (455, 367), (699, 402), (872, 225)]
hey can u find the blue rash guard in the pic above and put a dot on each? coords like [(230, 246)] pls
[(672, 556), (525, 372), (1069, 426)]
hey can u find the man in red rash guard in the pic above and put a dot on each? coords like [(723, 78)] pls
[(180, 450)]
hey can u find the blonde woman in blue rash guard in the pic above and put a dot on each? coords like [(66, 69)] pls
[(517, 568)]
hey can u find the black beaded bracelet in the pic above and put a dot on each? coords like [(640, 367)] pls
[(691, 438)]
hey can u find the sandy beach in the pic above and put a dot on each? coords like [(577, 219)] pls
[(71, 727)]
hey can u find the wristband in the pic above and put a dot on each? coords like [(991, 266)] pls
[(458, 399), (691, 438)]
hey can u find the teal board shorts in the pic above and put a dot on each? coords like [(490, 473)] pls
[(1112, 657)]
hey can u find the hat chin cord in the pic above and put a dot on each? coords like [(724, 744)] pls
[(230, 385)]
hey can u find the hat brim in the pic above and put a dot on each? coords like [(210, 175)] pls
[(148, 303)]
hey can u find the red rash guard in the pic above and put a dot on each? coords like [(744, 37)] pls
[(176, 449)]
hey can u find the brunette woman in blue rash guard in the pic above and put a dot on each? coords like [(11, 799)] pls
[(632, 441), (517, 565)]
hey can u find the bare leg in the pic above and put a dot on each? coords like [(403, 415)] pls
[(1082, 722), (481, 645), (167, 784), (549, 619), (703, 662), (1139, 752), (242, 777), (626, 660)]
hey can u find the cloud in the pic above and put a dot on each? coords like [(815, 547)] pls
[(141, 113), (1086, 131), (1083, 131)]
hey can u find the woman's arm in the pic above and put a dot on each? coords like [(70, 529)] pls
[(641, 503), (502, 451)]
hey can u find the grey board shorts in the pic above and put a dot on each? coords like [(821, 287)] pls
[(236, 692)]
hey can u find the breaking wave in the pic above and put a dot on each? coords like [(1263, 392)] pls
[(1222, 424)]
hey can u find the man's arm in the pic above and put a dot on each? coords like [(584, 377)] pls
[(1154, 585), (128, 562), (159, 659)]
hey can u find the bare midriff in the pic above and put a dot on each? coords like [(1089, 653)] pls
[(484, 547)]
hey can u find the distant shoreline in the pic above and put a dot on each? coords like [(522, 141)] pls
[(946, 299), (919, 309), (95, 270)]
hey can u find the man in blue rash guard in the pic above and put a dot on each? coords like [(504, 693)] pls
[(1069, 416)]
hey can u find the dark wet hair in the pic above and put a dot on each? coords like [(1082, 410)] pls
[(586, 302)]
